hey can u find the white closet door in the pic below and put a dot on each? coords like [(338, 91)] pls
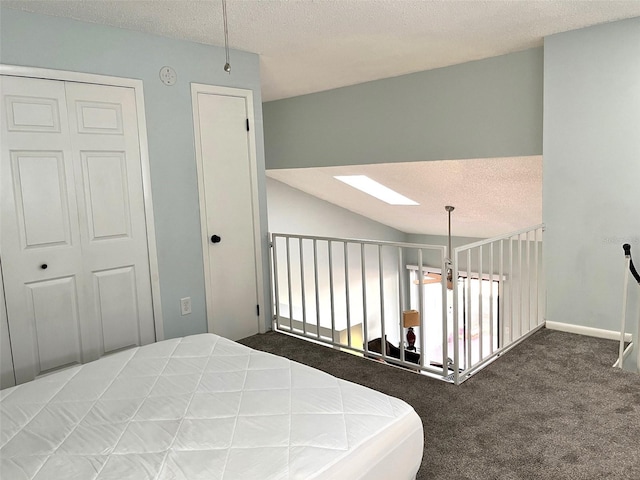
[(104, 135), (41, 252), (74, 253), (226, 193)]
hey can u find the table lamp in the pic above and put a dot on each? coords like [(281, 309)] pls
[(410, 319)]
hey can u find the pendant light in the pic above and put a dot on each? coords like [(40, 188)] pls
[(449, 209), (437, 278), (227, 65)]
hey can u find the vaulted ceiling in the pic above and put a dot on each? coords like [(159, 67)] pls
[(307, 46), (492, 196)]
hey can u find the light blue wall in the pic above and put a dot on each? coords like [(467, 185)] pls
[(58, 43), (591, 190), (487, 108)]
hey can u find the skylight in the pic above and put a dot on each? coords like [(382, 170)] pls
[(375, 189)]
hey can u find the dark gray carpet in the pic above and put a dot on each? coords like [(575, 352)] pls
[(552, 408)]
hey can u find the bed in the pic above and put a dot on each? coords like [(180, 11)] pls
[(203, 407)]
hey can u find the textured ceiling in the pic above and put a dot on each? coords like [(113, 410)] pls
[(492, 196), (313, 45), (307, 46)]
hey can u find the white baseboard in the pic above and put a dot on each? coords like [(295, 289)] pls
[(588, 331)]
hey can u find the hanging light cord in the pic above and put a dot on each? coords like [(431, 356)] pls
[(227, 65)]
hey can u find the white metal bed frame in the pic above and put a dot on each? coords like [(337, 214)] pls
[(514, 260)]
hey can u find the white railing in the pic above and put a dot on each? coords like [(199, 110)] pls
[(347, 293), (624, 357), (351, 294), (514, 261)]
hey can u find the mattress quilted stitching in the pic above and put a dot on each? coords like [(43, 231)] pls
[(190, 408)]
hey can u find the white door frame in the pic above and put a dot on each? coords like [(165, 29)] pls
[(136, 85), (248, 96)]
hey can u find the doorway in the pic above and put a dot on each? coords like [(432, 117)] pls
[(227, 185)]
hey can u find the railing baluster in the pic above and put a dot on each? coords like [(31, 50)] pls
[(365, 320), (537, 285), (456, 292), (331, 295), (491, 329), (501, 297), (317, 288), (520, 287), (289, 284), (468, 319), (480, 311), (302, 289), (421, 307), (528, 283), (445, 313), (276, 281), (541, 279), (347, 299), (383, 335), (400, 302), (511, 281)]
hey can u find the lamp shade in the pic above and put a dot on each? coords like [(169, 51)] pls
[(411, 318)]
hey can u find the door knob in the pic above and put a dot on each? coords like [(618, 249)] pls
[(215, 239), (44, 266)]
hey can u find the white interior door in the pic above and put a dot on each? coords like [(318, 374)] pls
[(104, 135), (227, 197), (41, 252), (74, 261)]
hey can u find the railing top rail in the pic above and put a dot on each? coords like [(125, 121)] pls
[(506, 236), (383, 243)]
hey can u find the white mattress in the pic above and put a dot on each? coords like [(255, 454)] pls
[(203, 407)]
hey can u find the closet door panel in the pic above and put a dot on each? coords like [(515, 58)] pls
[(41, 198), (41, 251), (105, 181), (99, 117), (104, 135), (116, 305), (53, 309), (32, 114)]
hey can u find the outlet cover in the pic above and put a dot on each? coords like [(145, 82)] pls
[(185, 305)]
